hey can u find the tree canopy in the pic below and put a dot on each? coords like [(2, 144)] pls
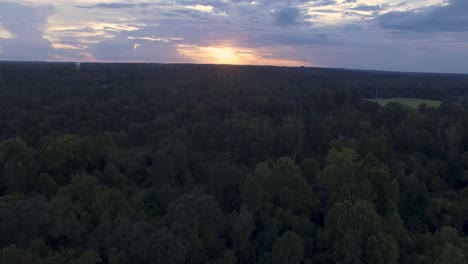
[(142, 163)]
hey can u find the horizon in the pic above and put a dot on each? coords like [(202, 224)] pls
[(422, 36), (73, 63)]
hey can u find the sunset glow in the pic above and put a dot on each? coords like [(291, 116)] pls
[(417, 35), (219, 55), (232, 55)]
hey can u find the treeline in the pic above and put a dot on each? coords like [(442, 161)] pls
[(141, 163)]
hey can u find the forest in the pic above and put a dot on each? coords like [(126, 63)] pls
[(163, 163)]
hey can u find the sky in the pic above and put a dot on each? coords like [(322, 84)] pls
[(395, 35)]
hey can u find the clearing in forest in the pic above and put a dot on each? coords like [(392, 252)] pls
[(411, 102)]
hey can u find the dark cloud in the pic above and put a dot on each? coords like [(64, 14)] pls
[(287, 16), (27, 26), (327, 11), (117, 49), (368, 8), (450, 18), (288, 39)]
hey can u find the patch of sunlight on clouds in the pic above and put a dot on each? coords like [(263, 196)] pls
[(87, 26), (201, 8), (114, 26), (5, 34), (344, 11), (92, 32), (154, 39), (67, 46), (81, 57)]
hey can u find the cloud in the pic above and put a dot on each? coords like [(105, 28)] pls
[(368, 8), (287, 16), (449, 18), (292, 39), (116, 5), (136, 49), (338, 33), (26, 25), (323, 2), (201, 8)]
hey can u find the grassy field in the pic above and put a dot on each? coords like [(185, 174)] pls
[(411, 102)]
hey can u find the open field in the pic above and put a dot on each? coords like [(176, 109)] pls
[(411, 102)]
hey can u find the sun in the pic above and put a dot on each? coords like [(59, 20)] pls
[(216, 55), (223, 55)]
